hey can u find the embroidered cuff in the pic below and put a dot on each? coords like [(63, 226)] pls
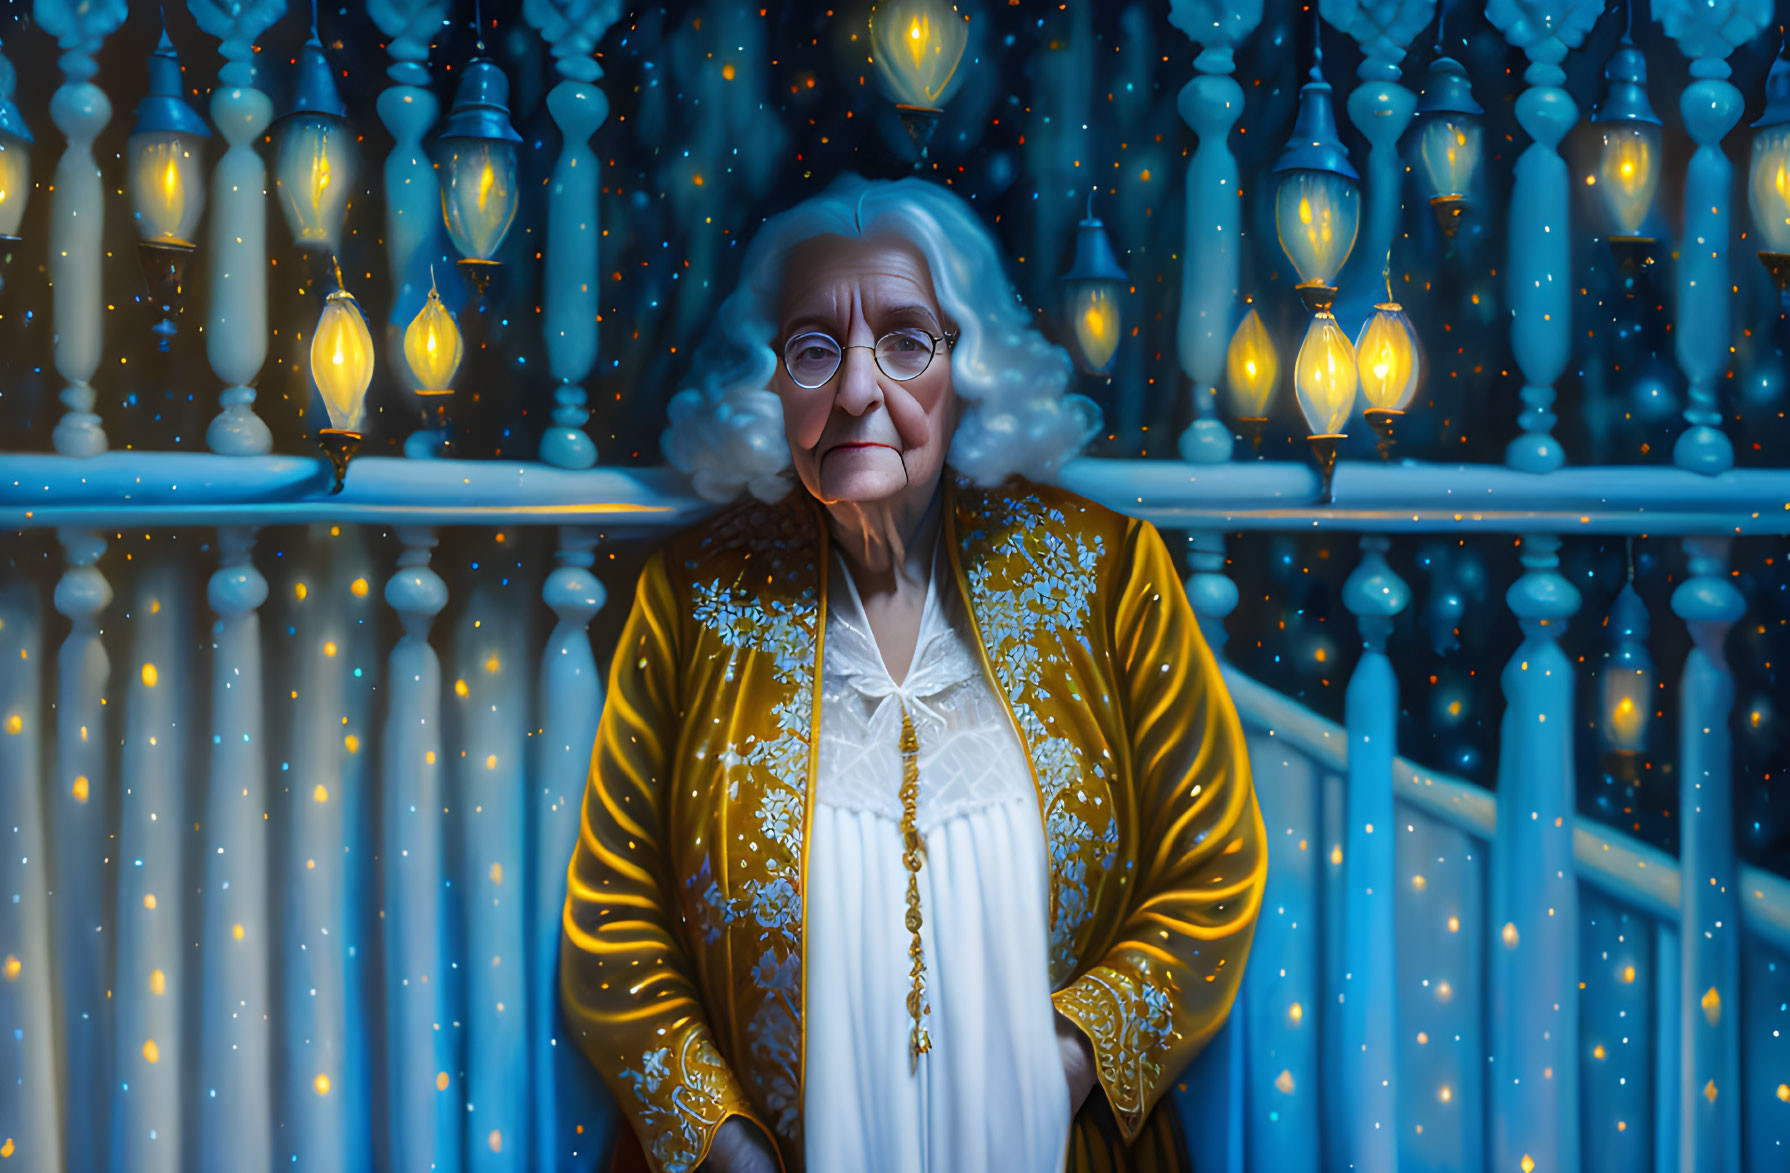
[(1130, 1023)]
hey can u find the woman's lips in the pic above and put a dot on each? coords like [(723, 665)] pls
[(862, 444)]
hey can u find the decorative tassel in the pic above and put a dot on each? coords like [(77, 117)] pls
[(911, 855)]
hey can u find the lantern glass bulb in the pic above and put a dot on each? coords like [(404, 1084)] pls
[(917, 46), (1628, 173), (478, 194), (1770, 187), (167, 186), (1316, 214), (314, 170), (1251, 367), (1449, 146), (1324, 376), (1094, 308), (432, 345), (1627, 695), (15, 182), (342, 360), (1386, 358)]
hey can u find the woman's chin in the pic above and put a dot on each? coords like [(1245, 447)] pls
[(861, 474)]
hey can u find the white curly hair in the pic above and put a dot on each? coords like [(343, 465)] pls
[(726, 423)]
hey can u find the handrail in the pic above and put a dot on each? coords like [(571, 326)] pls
[(201, 488), (197, 488), (1624, 868)]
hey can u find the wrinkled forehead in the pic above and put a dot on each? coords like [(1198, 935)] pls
[(824, 276)]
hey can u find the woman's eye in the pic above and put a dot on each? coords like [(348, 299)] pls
[(814, 353)]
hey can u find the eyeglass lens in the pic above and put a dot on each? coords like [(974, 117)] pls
[(812, 358)]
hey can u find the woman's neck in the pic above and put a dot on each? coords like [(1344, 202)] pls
[(888, 544)]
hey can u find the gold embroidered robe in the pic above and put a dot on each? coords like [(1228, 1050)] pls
[(682, 952)]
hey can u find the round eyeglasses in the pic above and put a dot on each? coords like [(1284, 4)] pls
[(813, 357)]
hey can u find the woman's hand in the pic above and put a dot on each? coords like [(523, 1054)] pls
[(740, 1147), (1078, 1061)]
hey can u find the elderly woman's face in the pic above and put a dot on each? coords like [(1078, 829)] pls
[(861, 435)]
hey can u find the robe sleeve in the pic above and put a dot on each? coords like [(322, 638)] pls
[(627, 985), (1165, 986)]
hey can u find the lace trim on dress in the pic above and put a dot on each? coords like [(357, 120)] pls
[(968, 746)]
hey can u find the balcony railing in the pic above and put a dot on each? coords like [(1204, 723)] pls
[(382, 805)]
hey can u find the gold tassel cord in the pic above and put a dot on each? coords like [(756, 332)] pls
[(911, 855)]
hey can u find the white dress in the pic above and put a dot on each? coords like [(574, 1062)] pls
[(991, 1093)]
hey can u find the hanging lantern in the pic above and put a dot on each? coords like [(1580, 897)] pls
[(1317, 203), (315, 158), (917, 46), (167, 182), (1627, 685), (1324, 377), (1251, 367), (1449, 131), (1388, 366), (1317, 209), (1769, 189), (1093, 285), (15, 162), (433, 349), (476, 156), (1628, 158), (342, 367)]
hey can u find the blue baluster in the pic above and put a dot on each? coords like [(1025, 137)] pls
[(489, 714), (415, 233), (80, 110), (1381, 109), (1540, 245), (1441, 935), (1617, 1033), (79, 791), (574, 227), (1210, 591), (325, 1091), (236, 941), (1283, 980), (1534, 995), (84, 857), (1668, 1056), (1335, 791), (569, 693), (31, 1109), (1764, 985), (1709, 986), (154, 1068), (1210, 104), (1711, 106), (236, 324), (423, 1076), (1364, 1072)]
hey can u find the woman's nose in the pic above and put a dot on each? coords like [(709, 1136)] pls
[(858, 388)]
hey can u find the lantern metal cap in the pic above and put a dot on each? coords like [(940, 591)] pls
[(314, 89), (1625, 99), (1777, 94), (481, 105), (1314, 145), (1447, 90), (163, 109), (1628, 615), (1095, 258)]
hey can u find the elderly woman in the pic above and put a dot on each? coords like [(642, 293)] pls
[(919, 831)]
